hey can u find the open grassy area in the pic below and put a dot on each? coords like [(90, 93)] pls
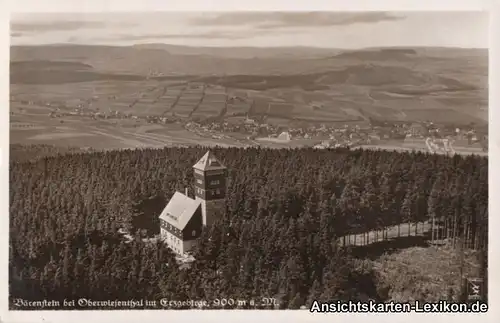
[(430, 273), (100, 134)]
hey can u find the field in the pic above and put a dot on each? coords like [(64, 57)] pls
[(422, 148), (72, 81), (432, 267), (105, 134)]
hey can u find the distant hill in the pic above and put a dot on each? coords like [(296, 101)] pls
[(371, 75), (45, 65), (391, 77), (405, 53), (169, 59), (379, 54), (59, 72), (140, 60), (244, 52)]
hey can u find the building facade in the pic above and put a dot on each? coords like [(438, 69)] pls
[(210, 187), (183, 219)]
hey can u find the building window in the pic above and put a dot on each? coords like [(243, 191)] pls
[(199, 181), (217, 191), (216, 182), (193, 233)]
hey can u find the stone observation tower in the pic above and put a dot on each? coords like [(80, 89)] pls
[(210, 187)]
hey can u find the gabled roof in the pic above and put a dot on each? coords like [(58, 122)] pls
[(209, 162), (179, 210)]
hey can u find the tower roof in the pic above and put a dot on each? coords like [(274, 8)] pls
[(208, 162)]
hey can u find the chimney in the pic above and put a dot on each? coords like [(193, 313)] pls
[(186, 192)]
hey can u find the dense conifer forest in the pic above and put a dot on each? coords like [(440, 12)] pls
[(285, 213)]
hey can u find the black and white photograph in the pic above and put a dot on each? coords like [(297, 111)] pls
[(237, 160)]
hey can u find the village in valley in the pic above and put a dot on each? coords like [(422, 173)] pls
[(262, 130)]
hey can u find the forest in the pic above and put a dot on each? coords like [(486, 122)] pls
[(285, 212)]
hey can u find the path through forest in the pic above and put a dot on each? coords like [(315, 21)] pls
[(405, 230)]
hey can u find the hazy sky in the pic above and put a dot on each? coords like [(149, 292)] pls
[(317, 29)]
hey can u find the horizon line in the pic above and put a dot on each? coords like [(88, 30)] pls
[(255, 47)]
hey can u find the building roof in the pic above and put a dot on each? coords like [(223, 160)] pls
[(179, 210), (285, 136), (208, 162)]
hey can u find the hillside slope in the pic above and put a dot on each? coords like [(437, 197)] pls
[(187, 60)]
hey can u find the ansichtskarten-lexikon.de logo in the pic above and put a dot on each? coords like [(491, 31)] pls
[(395, 307)]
